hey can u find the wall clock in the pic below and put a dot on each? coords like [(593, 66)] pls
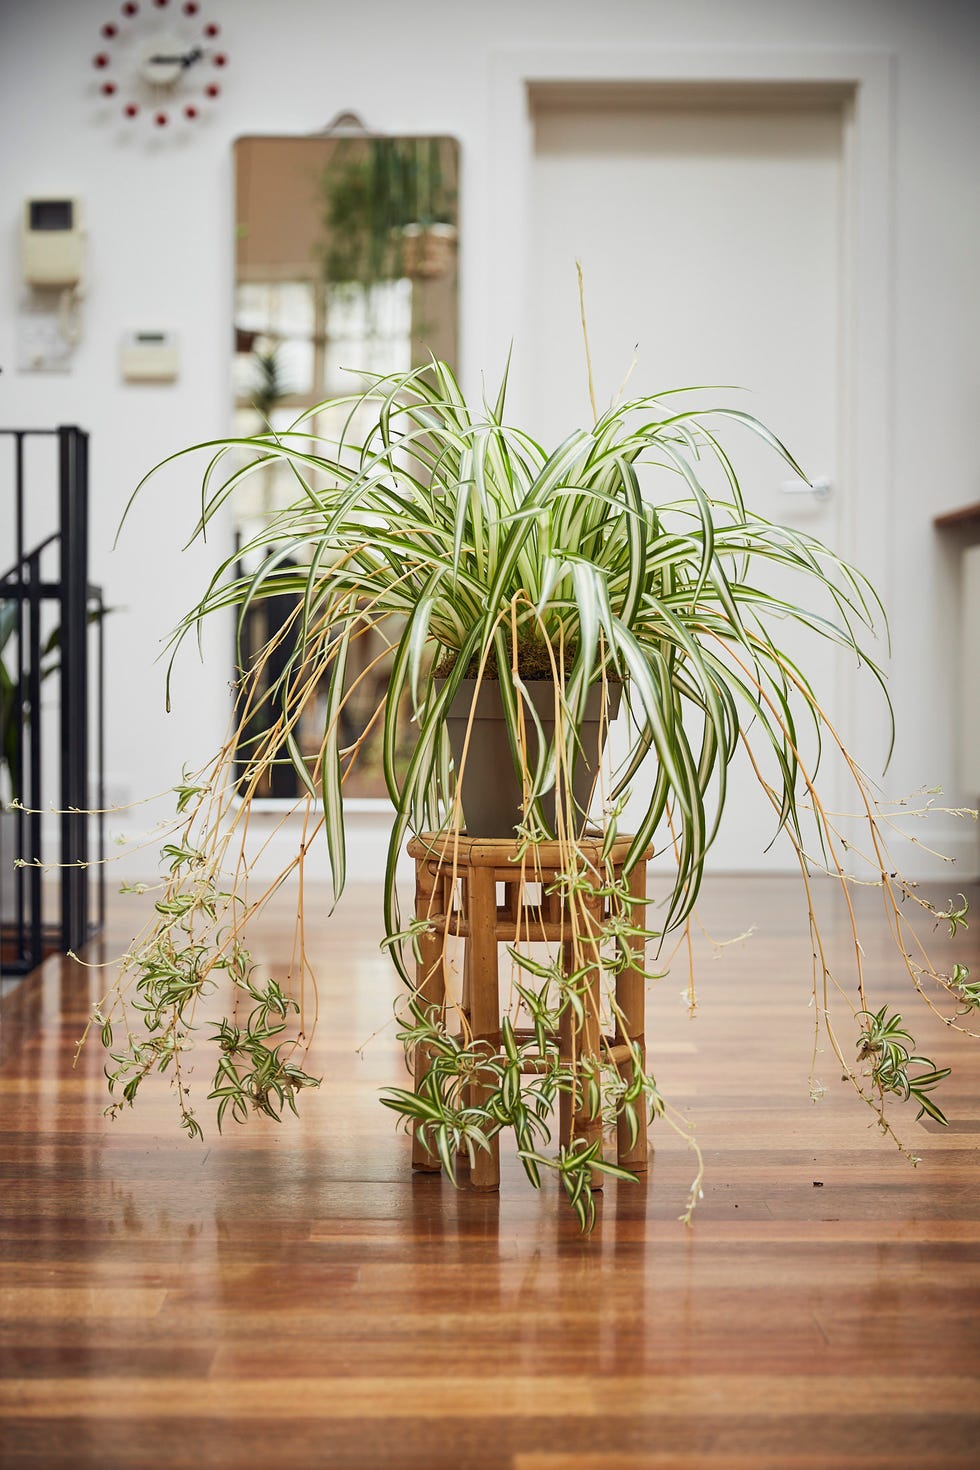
[(161, 61)]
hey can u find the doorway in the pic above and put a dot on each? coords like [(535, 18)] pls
[(711, 227)]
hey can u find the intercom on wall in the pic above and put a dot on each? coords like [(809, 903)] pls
[(53, 266), (52, 243)]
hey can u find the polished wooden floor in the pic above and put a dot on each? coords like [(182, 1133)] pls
[(294, 1297)]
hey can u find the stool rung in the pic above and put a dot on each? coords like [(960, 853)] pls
[(610, 1050), (533, 930)]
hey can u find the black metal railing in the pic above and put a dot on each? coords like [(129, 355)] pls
[(53, 625)]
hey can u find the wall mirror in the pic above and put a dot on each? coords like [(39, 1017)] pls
[(346, 259)]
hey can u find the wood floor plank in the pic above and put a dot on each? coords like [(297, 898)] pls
[(537, 1396), (92, 1303), (721, 1461)]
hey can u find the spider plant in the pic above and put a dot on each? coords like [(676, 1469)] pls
[(481, 555), (490, 556)]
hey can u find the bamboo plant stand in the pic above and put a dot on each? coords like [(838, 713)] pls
[(456, 895)]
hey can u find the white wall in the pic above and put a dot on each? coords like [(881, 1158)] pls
[(159, 215)]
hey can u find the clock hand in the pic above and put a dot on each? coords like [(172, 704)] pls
[(184, 59)]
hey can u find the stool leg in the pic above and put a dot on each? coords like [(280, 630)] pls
[(590, 1033), (481, 968), (584, 1041), (466, 1006), (430, 991), (566, 1050), (630, 1025)]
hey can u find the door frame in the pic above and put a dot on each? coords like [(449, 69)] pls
[(862, 83)]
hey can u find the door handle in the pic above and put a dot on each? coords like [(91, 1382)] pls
[(821, 488)]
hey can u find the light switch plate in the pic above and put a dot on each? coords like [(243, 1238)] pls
[(150, 357)]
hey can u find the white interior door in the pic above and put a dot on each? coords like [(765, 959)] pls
[(710, 236)]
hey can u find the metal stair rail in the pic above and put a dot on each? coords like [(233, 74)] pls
[(48, 580)]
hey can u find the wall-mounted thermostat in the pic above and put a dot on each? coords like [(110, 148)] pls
[(149, 357), (52, 243)]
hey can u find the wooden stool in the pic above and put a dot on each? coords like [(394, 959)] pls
[(456, 880)]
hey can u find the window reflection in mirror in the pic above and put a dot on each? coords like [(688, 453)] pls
[(346, 260)]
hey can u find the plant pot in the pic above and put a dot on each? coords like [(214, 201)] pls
[(491, 789), (427, 250)]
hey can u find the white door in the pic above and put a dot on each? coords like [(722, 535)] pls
[(710, 236)]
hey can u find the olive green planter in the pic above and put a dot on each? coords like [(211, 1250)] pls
[(491, 792)]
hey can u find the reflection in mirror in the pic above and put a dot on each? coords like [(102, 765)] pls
[(345, 261)]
